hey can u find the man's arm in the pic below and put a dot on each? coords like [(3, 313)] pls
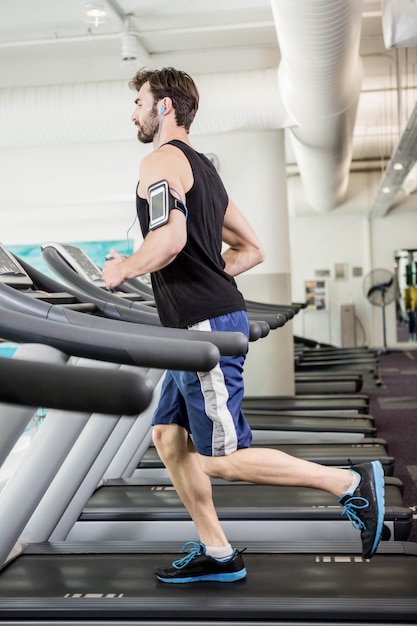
[(245, 250), (160, 246)]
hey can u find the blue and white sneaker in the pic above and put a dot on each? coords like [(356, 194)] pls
[(365, 506), (198, 566)]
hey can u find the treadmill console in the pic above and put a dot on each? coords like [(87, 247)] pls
[(11, 272), (79, 261)]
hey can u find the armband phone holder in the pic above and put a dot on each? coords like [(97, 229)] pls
[(161, 203)]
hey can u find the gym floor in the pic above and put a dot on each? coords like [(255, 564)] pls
[(394, 407)]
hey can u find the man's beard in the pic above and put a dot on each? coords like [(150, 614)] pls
[(149, 127)]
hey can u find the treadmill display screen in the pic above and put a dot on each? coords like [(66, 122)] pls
[(88, 268), (78, 260), (8, 265), (11, 272)]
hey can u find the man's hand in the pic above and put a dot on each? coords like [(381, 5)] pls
[(113, 274)]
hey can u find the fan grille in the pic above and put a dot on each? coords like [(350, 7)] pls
[(379, 288)]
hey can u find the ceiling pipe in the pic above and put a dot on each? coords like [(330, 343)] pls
[(320, 78), (133, 51), (399, 23), (101, 111)]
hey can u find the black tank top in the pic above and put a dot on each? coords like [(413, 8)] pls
[(195, 287)]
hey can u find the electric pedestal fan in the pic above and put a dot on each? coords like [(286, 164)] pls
[(379, 289)]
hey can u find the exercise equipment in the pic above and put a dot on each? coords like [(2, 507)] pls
[(64, 261), (38, 303), (128, 510), (98, 582)]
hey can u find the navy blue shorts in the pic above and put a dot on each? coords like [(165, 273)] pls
[(208, 404)]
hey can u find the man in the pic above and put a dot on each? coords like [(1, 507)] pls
[(199, 428)]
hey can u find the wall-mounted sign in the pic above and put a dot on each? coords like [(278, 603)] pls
[(316, 294)]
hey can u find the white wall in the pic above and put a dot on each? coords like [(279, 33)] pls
[(347, 236)]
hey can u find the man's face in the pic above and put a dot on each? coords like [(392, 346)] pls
[(145, 115)]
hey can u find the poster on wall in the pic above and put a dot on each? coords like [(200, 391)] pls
[(340, 271), (316, 294)]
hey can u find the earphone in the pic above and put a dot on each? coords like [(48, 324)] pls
[(161, 112)]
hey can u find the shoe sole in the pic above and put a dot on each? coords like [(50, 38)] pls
[(221, 578), (378, 475)]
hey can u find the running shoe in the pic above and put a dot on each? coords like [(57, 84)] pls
[(365, 506), (198, 566)]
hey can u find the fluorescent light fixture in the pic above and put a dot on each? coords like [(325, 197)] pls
[(95, 13)]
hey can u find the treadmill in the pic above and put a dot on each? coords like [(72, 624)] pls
[(27, 324), (338, 402), (264, 508), (150, 510), (299, 582), (33, 293), (387, 471), (287, 427), (346, 382), (77, 270), (66, 261)]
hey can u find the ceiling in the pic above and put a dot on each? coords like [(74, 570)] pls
[(49, 42)]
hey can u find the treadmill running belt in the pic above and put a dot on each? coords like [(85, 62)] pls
[(304, 582), (299, 403)]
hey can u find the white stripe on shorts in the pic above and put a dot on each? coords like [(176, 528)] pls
[(216, 395)]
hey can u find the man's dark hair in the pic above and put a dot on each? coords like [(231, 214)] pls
[(174, 84)]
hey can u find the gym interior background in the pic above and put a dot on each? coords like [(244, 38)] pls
[(303, 113)]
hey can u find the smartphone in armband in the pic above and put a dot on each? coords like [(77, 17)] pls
[(161, 202), (158, 195)]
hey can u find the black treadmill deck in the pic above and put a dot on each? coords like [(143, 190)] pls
[(304, 582), (132, 502)]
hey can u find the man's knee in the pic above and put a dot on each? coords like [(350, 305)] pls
[(170, 440), (218, 467)]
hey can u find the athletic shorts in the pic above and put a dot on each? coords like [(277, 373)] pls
[(208, 404)]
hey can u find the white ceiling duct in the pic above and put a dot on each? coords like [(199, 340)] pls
[(320, 77), (89, 112), (399, 23)]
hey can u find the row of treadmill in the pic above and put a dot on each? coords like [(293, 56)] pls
[(90, 512)]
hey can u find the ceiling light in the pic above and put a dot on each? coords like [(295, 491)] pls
[(95, 13), (398, 166), (386, 190)]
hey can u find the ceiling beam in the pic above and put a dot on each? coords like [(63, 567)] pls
[(398, 168)]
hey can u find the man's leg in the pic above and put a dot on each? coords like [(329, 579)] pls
[(193, 486), (360, 490), (274, 467)]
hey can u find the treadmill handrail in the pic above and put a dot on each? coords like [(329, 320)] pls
[(116, 347), (144, 313), (86, 389), (128, 310), (228, 343)]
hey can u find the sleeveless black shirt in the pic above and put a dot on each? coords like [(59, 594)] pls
[(195, 287)]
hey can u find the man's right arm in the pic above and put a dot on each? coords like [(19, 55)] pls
[(160, 246)]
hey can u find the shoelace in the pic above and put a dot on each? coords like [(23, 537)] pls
[(193, 549), (351, 506)]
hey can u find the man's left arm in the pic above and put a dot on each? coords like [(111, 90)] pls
[(245, 250)]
